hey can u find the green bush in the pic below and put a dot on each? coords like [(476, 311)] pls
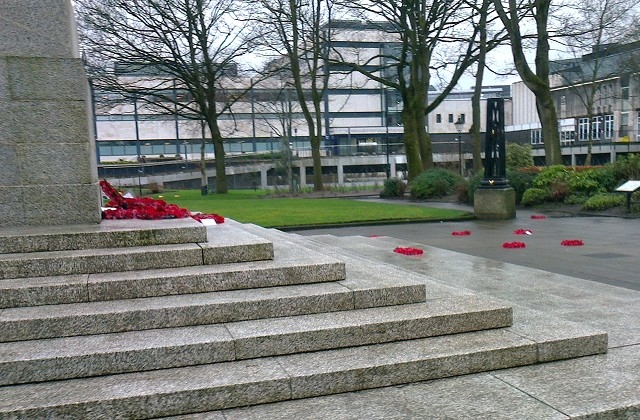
[(461, 190), (627, 167), (550, 175), (534, 196), (604, 201), (434, 183), (474, 184), (393, 188), (518, 156), (592, 181), (520, 182), (575, 199)]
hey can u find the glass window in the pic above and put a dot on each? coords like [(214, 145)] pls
[(536, 137), (608, 126), (450, 118), (438, 118), (596, 127), (583, 129)]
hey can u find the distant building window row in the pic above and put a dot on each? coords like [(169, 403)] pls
[(601, 126), (451, 118)]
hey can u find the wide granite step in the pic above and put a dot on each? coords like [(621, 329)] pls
[(94, 355), (290, 265), (225, 245), (355, 292), (107, 234), (233, 384)]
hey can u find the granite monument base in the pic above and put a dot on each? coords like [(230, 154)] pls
[(494, 203)]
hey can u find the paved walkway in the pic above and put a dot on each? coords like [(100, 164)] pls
[(610, 255)]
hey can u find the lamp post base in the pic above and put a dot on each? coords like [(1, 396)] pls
[(494, 203)]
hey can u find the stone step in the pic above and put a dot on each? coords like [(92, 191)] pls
[(108, 234), (228, 245), (363, 267), (51, 321), (219, 386), (95, 355), (291, 265)]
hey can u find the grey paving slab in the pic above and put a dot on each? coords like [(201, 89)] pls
[(605, 386), (227, 244), (357, 368), (479, 396)]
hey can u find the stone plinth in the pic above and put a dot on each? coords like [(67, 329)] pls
[(494, 203), (48, 174)]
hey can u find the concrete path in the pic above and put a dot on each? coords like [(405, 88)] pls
[(610, 255), (545, 278)]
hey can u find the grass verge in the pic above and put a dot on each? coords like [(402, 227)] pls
[(254, 207)]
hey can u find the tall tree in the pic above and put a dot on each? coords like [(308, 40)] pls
[(432, 36), (591, 29), (192, 44), (299, 29), (515, 17)]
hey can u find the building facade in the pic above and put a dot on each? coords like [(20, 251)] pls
[(361, 116)]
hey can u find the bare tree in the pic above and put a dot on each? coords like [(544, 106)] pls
[(192, 46), (591, 29), (515, 17), (432, 37), (299, 30)]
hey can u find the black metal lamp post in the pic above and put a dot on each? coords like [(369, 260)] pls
[(459, 124)]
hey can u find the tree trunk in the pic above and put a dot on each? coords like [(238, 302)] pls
[(317, 163), (218, 149), (411, 146), (204, 181), (424, 140), (549, 121)]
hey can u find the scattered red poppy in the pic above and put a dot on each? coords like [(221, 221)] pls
[(572, 242), (145, 208), (408, 251), (523, 232), (514, 245), (374, 236), (538, 216), (461, 233)]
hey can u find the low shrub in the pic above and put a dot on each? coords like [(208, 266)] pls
[(604, 201), (434, 183), (575, 199), (461, 191), (518, 156), (520, 182), (534, 196), (393, 188), (550, 175), (558, 191)]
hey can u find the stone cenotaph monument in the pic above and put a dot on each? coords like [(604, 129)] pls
[(48, 172)]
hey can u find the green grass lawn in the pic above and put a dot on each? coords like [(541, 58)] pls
[(256, 207)]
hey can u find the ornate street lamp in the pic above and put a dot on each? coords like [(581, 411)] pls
[(459, 125)]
